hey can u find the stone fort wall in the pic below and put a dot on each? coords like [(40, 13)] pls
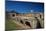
[(28, 18)]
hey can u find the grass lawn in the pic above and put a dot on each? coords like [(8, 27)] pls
[(10, 25)]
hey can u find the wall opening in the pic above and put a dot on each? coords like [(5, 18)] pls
[(13, 15), (21, 21), (28, 24), (40, 16), (38, 23)]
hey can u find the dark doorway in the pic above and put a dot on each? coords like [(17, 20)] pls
[(13, 15), (38, 23), (28, 24), (21, 21)]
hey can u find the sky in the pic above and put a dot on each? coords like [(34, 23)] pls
[(24, 7)]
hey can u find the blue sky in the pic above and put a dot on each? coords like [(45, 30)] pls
[(24, 7)]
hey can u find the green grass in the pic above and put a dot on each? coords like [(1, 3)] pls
[(10, 25)]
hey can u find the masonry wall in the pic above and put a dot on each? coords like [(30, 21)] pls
[(30, 18)]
